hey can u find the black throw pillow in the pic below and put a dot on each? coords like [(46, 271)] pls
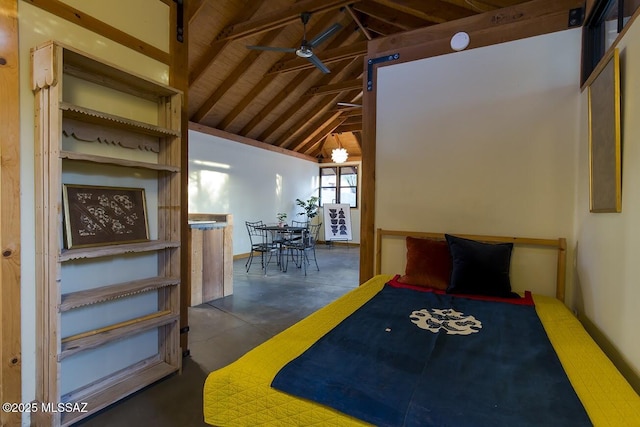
[(480, 268)]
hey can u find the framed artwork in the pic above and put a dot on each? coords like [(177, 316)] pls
[(337, 221), (605, 156), (96, 215)]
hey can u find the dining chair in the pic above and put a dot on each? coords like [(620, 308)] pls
[(304, 248), (260, 243), (297, 236)]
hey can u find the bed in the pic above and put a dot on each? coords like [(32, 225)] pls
[(241, 394)]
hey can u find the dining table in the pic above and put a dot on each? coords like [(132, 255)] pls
[(280, 235)]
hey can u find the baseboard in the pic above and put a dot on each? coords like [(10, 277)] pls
[(337, 243)]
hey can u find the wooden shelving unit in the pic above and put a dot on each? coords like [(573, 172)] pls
[(126, 143)]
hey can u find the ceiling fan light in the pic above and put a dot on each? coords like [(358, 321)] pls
[(304, 52), (339, 155)]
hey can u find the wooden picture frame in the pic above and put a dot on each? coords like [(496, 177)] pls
[(97, 215), (605, 155)]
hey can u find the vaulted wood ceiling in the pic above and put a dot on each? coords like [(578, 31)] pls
[(280, 99)]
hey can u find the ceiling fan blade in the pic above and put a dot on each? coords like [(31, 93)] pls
[(316, 61), (273, 48), (324, 35)]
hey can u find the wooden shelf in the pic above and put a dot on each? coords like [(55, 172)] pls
[(106, 293), (70, 155), (105, 251), (89, 68), (105, 335), (88, 115), (102, 393), (131, 146)]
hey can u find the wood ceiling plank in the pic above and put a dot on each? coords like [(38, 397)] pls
[(267, 79), (279, 18), (433, 10), (353, 127), (356, 19), (381, 28), (391, 16), (335, 87), (328, 56), (233, 77), (358, 138), (356, 112), (214, 49), (321, 134), (193, 8), (350, 68), (301, 78), (304, 126)]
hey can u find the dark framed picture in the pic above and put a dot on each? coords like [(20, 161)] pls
[(96, 215), (605, 153)]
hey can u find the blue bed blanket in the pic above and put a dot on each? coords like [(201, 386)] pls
[(410, 358)]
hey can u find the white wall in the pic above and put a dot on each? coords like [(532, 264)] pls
[(249, 182), (608, 244), (487, 138)]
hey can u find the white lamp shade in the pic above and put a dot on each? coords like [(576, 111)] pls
[(339, 155)]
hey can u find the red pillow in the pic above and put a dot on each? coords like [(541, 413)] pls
[(428, 263)]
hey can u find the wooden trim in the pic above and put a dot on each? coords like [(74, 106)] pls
[(10, 347), (248, 141), (524, 20), (90, 23), (179, 79), (609, 53), (528, 19), (560, 245)]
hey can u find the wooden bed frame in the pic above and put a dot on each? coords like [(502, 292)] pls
[(560, 245)]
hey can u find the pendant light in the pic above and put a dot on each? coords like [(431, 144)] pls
[(339, 155)]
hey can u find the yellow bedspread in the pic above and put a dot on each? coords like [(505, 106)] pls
[(240, 394)]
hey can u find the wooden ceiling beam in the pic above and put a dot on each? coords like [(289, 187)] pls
[(193, 8), (353, 120), (317, 136), (434, 10), (233, 77), (328, 56), (365, 32), (320, 113), (394, 17), (298, 80), (354, 127), (381, 28), (335, 87), (350, 68), (216, 47), (523, 20), (279, 18), (262, 84), (358, 138), (355, 112)]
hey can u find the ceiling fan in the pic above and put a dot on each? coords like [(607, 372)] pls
[(306, 47)]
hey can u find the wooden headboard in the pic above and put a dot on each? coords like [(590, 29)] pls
[(560, 245)]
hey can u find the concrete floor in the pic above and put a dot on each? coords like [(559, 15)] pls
[(223, 330)]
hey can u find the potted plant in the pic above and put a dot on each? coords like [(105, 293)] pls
[(282, 216), (310, 207)]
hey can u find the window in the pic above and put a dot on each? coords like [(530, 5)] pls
[(339, 184), (607, 20)]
